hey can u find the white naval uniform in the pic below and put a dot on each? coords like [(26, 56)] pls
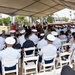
[(72, 47), (2, 43), (42, 43), (62, 37), (48, 50), (12, 36), (72, 30), (34, 38), (9, 54), (57, 42), (58, 30), (21, 40)]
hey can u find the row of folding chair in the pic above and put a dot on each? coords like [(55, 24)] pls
[(63, 59), (59, 61), (31, 62)]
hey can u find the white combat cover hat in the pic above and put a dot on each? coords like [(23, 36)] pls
[(10, 40), (51, 37)]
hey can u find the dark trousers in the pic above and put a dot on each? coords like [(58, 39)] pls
[(7, 68), (46, 61)]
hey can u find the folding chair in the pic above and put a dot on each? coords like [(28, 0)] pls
[(9, 66), (51, 64), (65, 46), (63, 41), (46, 73), (73, 57), (29, 49), (30, 63), (64, 59)]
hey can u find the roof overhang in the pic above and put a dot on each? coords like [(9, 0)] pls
[(38, 8), (69, 3)]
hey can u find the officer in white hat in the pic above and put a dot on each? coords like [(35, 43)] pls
[(48, 50), (21, 38), (57, 41), (2, 41), (9, 53), (34, 37), (12, 33), (42, 42)]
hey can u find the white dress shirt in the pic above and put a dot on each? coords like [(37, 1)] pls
[(57, 42), (72, 47), (34, 38), (21, 40), (2, 42), (48, 50), (9, 54), (42, 43)]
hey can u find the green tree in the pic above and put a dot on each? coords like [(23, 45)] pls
[(50, 19), (21, 19), (0, 22), (65, 19), (6, 21), (25, 21), (35, 18)]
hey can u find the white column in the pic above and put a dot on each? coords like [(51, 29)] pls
[(30, 22), (41, 20), (12, 19)]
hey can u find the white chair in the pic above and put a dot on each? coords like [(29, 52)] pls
[(29, 49), (46, 73), (63, 60), (52, 64), (57, 71), (19, 50), (63, 41), (30, 63), (8, 64), (73, 57), (65, 46), (2, 46)]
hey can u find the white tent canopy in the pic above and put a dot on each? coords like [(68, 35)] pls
[(38, 8)]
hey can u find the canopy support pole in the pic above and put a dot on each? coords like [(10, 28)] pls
[(30, 21)]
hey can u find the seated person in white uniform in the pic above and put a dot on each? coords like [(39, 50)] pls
[(21, 38), (42, 41), (72, 47), (33, 37), (57, 41), (12, 33), (62, 35), (9, 53), (48, 50), (2, 41)]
